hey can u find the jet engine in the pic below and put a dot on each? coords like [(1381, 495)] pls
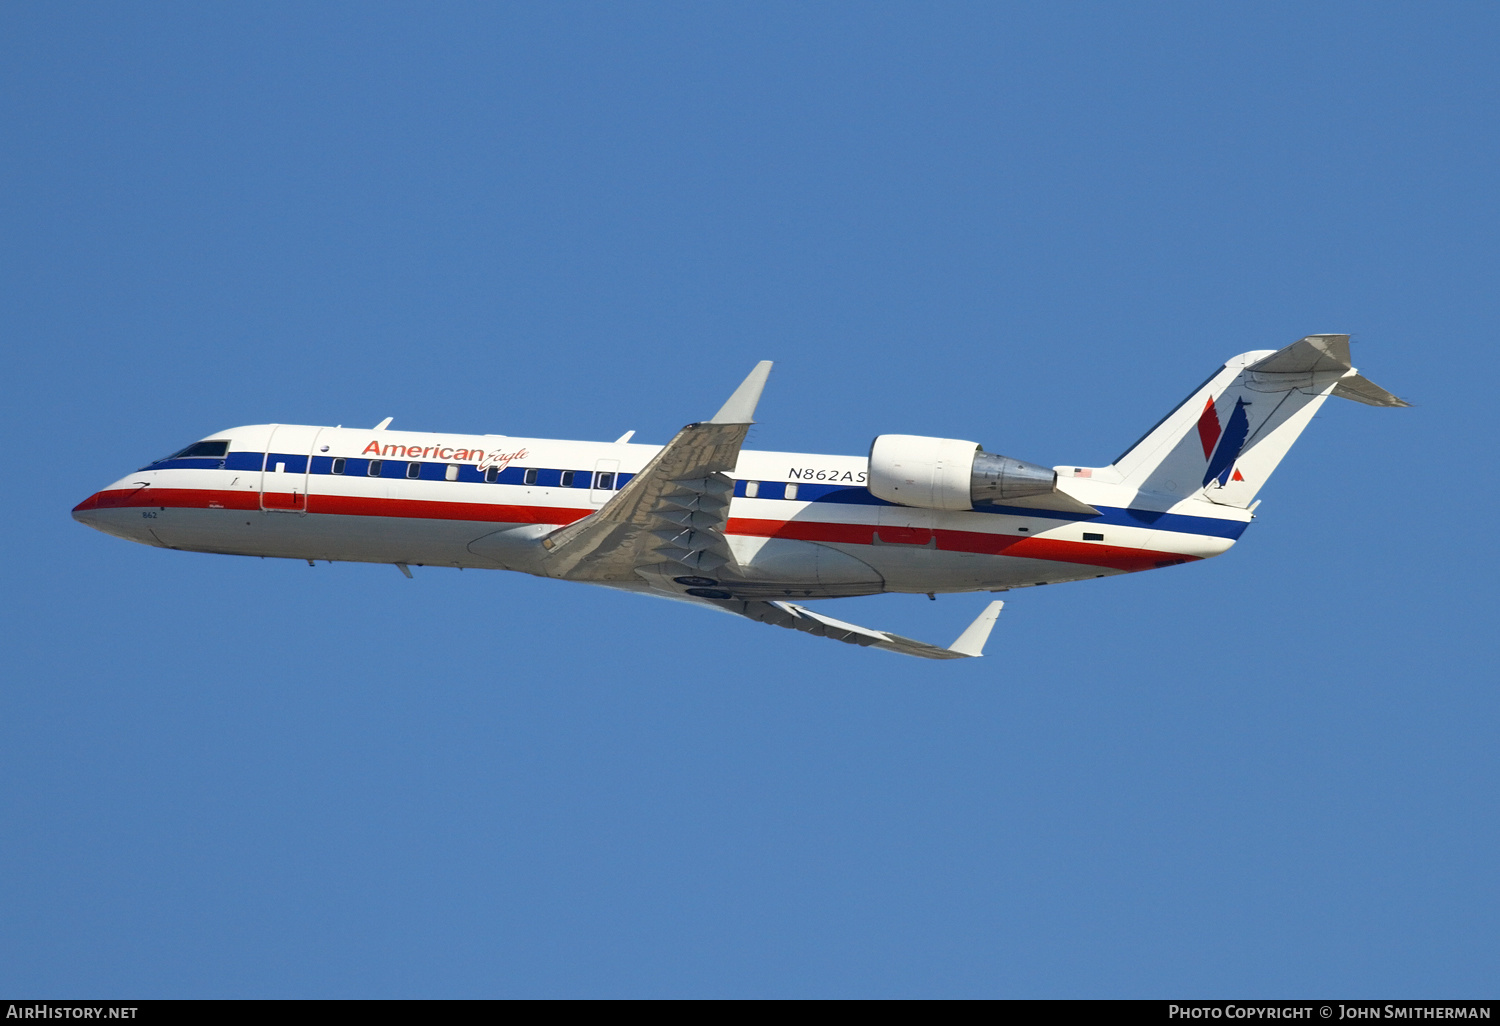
[(949, 473)]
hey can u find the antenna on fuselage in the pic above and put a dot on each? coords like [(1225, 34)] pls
[(384, 424)]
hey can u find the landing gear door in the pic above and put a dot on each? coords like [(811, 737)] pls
[(283, 477)]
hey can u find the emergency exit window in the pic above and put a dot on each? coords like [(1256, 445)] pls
[(605, 480)]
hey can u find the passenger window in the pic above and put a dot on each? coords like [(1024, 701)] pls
[(567, 479), (791, 491), (414, 470), (529, 476), (452, 472), (338, 465), (375, 466), (1092, 537), (752, 489), (605, 480), (492, 474)]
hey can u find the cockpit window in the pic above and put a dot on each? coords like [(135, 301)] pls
[(215, 449)]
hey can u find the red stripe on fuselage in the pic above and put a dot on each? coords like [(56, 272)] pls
[(345, 505), (427, 509), (1113, 557)]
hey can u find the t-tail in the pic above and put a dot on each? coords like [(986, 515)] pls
[(1223, 441)]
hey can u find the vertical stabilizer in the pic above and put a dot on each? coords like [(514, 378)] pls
[(1223, 441)]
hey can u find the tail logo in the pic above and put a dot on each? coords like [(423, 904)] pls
[(1222, 443), (1208, 428)]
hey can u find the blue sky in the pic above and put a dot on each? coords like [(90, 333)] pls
[(1038, 226)]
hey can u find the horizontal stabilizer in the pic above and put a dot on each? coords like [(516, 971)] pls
[(1362, 390), (1308, 354), (1313, 363)]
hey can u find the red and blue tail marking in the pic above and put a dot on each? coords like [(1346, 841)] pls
[(1222, 444)]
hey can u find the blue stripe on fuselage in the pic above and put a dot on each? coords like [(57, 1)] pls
[(1115, 516), (356, 466)]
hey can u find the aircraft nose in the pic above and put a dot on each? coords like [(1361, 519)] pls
[(84, 512)]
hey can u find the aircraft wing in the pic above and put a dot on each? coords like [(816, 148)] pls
[(674, 511), (970, 643)]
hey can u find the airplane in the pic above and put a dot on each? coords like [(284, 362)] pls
[(703, 520)]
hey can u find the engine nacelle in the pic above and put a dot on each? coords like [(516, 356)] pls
[(949, 473)]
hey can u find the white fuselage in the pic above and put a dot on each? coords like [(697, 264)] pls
[(800, 524)]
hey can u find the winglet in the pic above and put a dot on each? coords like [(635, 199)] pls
[(971, 641), (740, 409)]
